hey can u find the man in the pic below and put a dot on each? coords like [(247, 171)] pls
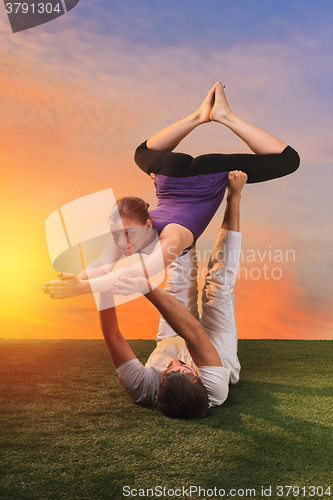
[(194, 362)]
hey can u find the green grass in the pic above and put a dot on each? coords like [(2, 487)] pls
[(68, 431)]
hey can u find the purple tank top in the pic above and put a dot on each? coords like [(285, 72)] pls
[(188, 201)]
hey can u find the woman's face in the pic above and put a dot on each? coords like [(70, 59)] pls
[(129, 236)]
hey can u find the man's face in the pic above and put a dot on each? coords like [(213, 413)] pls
[(178, 366)]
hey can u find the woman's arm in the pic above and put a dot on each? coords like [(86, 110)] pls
[(173, 240), (74, 284), (105, 263)]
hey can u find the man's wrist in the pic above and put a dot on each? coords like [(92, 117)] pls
[(234, 197), (154, 292)]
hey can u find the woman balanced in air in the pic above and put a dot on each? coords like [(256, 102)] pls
[(189, 192)]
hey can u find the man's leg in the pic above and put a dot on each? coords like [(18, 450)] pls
[(182, 284), (218, 311)]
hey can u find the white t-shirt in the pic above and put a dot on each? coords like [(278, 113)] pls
[(142, 382)]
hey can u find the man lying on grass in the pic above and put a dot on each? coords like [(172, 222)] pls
[(194, 361)]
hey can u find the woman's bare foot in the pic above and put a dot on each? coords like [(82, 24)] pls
[(206, 107), (236, 181), (220, 110)]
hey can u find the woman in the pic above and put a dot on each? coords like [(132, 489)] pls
[(189, 191)]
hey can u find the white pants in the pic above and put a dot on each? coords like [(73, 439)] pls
[(218, 312)]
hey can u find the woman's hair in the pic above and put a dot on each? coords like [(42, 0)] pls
[(131, 208), (182, 395)]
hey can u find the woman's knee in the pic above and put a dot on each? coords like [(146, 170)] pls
[(294, 160)]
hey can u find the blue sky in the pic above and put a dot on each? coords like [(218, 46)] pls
[(226, 22)]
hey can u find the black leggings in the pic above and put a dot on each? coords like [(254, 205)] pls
[(259, 168)]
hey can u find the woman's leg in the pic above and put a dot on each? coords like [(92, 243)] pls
[(258, 167), (258, 140), (273, 158), (169, 138)]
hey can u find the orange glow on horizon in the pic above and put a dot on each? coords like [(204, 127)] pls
[(279, 309)]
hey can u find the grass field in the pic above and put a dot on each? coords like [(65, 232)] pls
[(69, 431)]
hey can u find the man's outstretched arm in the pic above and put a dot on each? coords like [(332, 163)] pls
[(186, 326), (118, 347), (236, 181)]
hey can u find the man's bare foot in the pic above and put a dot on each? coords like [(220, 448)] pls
[(206, 107), (236, 181), (220, 111)]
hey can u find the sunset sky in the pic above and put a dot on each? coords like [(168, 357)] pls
[(79, 94)]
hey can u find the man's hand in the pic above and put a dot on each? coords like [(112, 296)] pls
[(128, 286), (69, 285), (236, 181)]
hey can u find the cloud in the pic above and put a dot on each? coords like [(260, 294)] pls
[(271, 83), (273, 299), (76, 102), (280, 309)]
